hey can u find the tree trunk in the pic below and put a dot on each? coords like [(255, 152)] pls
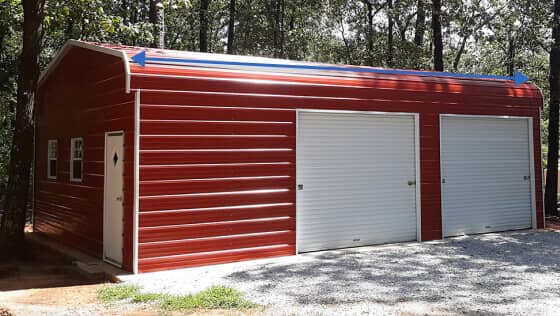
[(282, 13), (551, 191), (279, 29), (420, 24), (345, 40), (511, 55), (157, 17), (436, 29), (13, 219), (231, 28), (460, 52), (370, 32), (390, 33), (203, 15)]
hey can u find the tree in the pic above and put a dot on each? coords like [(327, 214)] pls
[(15, 206), (10, 37), (390, 33), (203, 33), (279, 28), (231, 27), (157, 17), (437, 38), (420, 24), (471, 17), (551, 191), (369, 33)]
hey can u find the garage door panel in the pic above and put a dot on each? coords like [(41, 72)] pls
[(486, 167), (355, 169)]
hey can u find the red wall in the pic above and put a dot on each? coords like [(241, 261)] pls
[(84, 97), (202, 128), (217, 152)]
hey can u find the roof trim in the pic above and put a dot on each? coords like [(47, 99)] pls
[(74, 43)]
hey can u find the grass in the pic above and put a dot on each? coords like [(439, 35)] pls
[(117, 293), (215, 297)]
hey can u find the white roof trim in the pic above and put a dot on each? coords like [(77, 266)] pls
[(66, 48)]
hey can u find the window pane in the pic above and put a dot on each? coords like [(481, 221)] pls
[(78, 149), (77, 169), (52, 168), (53, 149)]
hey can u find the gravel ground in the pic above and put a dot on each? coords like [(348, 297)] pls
[(514, 273)]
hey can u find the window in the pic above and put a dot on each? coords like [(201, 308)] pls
[(76, 158), (52, 157)]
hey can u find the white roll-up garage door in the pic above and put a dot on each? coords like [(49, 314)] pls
[(356, 178), (486, 175)]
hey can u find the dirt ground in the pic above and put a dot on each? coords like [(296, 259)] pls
[(44, 283)]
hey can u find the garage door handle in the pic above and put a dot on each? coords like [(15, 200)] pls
[(411, 182)]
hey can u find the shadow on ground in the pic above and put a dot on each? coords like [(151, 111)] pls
[(506, 273), (40, 267)]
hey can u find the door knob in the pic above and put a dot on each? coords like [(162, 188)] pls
[(411, 182), (119, 198)]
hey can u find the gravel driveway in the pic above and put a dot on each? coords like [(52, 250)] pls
[(514, 273)]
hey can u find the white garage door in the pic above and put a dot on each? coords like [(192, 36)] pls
[(356, 180), (486, 183)]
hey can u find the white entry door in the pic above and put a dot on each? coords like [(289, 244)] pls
[(356, 179), (113, 204), (486, 174)]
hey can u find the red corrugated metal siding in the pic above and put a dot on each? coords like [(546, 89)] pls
[(218, 152), (84, 97)]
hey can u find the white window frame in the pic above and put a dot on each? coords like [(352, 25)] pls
[(49, 158), (72, 159)]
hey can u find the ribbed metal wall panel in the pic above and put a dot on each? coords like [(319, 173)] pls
[(83, 97), (216, 184), (486, 176), (355, 170), (217, 149), (224, 143)]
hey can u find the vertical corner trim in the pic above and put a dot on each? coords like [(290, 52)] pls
[(126, 72), (136, 181)]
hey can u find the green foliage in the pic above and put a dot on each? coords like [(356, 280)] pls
[(10, 46), (211, 298), (111, 293), (147, 297), (214, 297), (498, 35)]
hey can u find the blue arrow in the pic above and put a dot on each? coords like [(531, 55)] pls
[(141, 59)]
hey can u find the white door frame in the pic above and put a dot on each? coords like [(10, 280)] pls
[(531, 160), (416, 117), (105, 178)]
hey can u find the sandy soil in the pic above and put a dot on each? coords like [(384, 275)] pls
[(68, 300)]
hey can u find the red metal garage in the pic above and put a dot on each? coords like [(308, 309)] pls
[(185, 163)]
